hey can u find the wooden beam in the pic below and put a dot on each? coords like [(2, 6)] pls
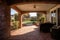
[(12, 2), (53, 7), (34, 11), (17, 9)]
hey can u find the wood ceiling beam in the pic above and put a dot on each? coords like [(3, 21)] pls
[(53, 7), (17, 9), (34, 11), (12, 2), (22, 12)]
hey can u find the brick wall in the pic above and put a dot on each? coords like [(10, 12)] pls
[(4, 22)]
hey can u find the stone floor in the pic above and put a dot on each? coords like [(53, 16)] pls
[(29, 33)]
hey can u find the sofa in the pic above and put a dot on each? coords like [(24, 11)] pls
[(55, 33), (45, 27)]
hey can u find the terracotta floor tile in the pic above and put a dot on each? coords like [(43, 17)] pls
[(29, 33)]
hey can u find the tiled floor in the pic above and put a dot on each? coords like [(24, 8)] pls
[(29, 33)]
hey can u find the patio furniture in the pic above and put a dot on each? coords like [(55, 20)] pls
[(45, 27)]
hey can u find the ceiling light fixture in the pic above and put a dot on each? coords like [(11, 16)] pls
[(34, 6)]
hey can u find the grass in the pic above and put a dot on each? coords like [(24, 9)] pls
[(25, 22)]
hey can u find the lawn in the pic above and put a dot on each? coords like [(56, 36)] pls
[(25, 22)]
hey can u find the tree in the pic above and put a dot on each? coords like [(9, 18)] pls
[(16, 16)]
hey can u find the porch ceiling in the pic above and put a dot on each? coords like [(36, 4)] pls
[(38, 7)]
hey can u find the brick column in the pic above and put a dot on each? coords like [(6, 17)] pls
[(20, 20), (4, 21)]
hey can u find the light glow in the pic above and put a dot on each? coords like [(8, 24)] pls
[(13, 11), (33, 14), (53, 14)]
